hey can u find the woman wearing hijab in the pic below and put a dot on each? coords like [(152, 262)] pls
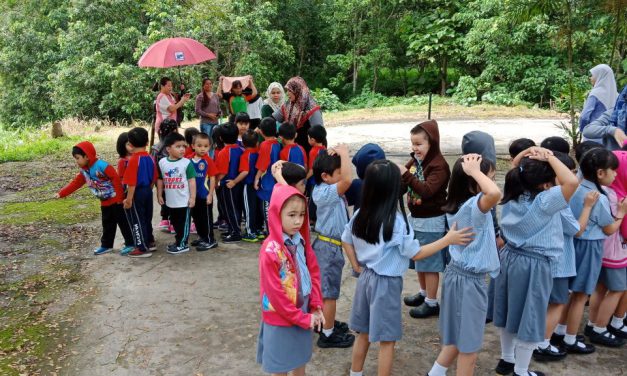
[(300, 110), (275, 97), (602, 97)]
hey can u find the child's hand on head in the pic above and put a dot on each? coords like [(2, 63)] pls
[(591, 198), (460, 237), (277, 169), (540, 154), (471, 163), (341, 150)]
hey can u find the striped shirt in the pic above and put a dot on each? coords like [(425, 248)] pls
[(385, 258), (564, 266), (305, 277), (600, 216), (330, 209), (535, 225), (480, 255)]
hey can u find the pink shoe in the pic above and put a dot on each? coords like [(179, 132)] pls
[(164, 225), (171, 229), (192, 228)]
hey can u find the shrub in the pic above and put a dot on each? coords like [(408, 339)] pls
[(466, 91), (327, 100)]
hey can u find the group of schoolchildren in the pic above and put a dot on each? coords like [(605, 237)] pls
[(558, 242)]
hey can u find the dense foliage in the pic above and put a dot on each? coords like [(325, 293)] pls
[(79, 58)]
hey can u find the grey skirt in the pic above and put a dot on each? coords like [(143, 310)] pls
[(281, 349), (377, 307), (522, 294), (434, 263), (614, 279), (559, 292), (588, 258), (463, 309)]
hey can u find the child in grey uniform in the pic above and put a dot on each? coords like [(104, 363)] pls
[(379, 238), (472, 193), (531, 223)]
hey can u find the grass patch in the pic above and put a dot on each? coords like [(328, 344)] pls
[(445, 110), (66, 211), (26, 145)]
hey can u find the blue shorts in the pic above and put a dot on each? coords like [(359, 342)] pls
[(331, 262)]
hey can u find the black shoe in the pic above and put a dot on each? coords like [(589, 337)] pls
[(576, 349), (424, 311), (558, 340), (548, 355), (618, 332), (174, 249), (195, 242), (232, 238), (202, 246), (414, 300), (504, 368), (606, 339), (336, 340), (338, 326), (587, 330), (538, 373)]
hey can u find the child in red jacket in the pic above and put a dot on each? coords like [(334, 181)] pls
[(289, 281), (104, 182)]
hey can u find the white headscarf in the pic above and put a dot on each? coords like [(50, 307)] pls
[(269, 101), (605, 86)]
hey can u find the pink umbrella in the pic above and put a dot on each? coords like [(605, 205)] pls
[(175, 52)]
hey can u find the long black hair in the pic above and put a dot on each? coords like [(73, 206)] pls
[(205, 97), (594, 160), (528, 178), (380, 201), (461, 187), (120, 145)]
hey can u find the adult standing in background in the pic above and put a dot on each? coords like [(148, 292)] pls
[(300, 109), (166, 106), (602, 97), (609, 129), (208, 107), (275, 97)]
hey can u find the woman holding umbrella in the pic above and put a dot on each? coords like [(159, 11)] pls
[(300, 110), (166, 105)]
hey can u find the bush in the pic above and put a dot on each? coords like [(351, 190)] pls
[(502, 98), (466, 91), (24, 145), (327, 100)]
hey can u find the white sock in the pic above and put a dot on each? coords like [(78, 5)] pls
[(590, 323), (355, 373), (617, 322), (437, 370), (507, 346), (327, 332), (524, 350), (560, 330), (422, 292), (545, 344), (570, 339), (598, 329), (431, 302)]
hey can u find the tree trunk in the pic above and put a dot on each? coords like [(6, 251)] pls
[(618, 4), (571, 88), (374, 80), (443, 75), (301, 50)]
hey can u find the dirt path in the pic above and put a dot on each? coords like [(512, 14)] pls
[(198, 313)]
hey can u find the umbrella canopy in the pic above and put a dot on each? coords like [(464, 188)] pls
[(175, 52)]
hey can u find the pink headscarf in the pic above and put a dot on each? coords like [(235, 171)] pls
[(620, 183)]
